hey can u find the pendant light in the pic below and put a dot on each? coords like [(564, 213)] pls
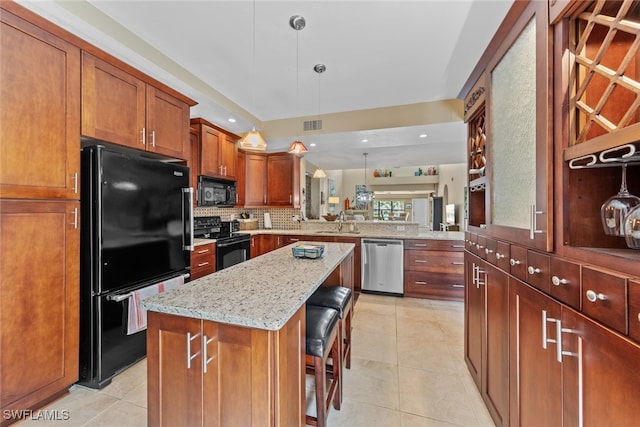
[(253, 140), (297, 22), (319, 69), (365, 196)]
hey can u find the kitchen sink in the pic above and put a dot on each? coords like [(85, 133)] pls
[(336, 232)]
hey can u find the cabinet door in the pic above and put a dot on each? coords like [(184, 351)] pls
[(255, 180), (281, 179), (520, 200), (473, 317), (113, 104), (535, 372), (174, 370), (209, 151), (600, 372), (228, 155), (241, 163), (167, 124), (39, 293), (495, 372), (40, 113)]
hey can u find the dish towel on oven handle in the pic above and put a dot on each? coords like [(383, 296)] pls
[(137, 316)]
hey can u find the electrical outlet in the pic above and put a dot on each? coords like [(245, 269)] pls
[(400, 228)]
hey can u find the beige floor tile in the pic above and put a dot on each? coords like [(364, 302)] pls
[(357, 414), (439, 396), (126, 381), (122, 414), (373, 346), (428, 330), (375, 323), (416, 352), (374, 308), (372, 382), (410, 420)]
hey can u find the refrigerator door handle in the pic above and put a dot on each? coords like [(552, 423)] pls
[(187, 219)]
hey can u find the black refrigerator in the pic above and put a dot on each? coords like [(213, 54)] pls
[(136, 230)]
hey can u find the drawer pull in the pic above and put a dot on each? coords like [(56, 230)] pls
[(420, 283), (488, 251), (457, 263), (593, 296), (479, 246), (533, 270), (421, 261), (499, 255), (457, 286), (202, 264), (457, 246), (514, 262), (558, 281), (203, 251)]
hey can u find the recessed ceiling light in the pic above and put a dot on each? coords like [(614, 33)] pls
[(231, 120), (313, 144), (423, 135), (365, 140)]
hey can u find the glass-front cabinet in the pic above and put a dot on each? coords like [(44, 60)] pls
[(508, 116)]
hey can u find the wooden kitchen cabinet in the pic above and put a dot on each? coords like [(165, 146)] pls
[(217, 150), (486, 337), (241, 180), (255, 178), (40, 114), (39, 297), (120, 107), (283, 180), (203, 260), (434, 269), (224, 375)]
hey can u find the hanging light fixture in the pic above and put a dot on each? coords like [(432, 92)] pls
[(319, 69), (365, 196), (253, 140), (297, 22), (319, 173)]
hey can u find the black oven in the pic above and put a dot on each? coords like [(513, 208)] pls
[(231, 247)]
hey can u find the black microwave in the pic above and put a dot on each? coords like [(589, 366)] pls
[(216, 192)]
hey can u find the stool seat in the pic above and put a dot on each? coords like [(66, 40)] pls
[(320, 324), (336, 297)]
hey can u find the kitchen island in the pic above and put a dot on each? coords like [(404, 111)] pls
[(229, 348)]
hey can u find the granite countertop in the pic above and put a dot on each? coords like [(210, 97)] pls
[(429, 235), (263, 292)]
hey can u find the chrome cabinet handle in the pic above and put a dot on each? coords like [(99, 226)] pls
[(514, 262), (75, 218), (420, 283), (205, 342), (422, 245), (75, 183), (143, 136), (533, 270), (203, 251), (455, 246), (479, 246), (190, 356), (594, 296), (488, 251), (457, 263), (153, 138), (533, 230), (421, 261), (202, 264), (558, 281), (499, 255)]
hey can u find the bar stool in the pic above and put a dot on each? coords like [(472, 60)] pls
[(322, 344), (338, 298)]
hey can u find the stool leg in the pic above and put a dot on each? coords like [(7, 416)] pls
[(320, 374), (347, 339), (336, 357)]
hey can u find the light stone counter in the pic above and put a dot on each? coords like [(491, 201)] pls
[(263, 292), (332, 231)]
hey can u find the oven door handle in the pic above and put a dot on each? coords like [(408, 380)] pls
[(119, 297), (187, 219), (224, 245)]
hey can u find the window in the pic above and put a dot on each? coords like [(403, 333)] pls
[(386, 209)]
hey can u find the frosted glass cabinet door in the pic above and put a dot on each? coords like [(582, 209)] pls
[(519, 138)]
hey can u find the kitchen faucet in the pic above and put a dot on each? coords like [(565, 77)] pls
[(341, 219)]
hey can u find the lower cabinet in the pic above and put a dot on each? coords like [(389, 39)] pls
[(434, 269), (566, 369), (217, 374), (486, 338), (39, 297), (203, 260)]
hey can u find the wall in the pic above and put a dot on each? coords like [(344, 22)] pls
[(454, 176)]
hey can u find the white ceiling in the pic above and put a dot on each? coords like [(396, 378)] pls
[(378, 54)]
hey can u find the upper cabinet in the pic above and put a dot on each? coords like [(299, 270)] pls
[(271, 179), (597, 123), (40, 114), (508, 116), (217, 150), (120, 107)]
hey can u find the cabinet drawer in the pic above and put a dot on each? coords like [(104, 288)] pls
[(538, 271), (490, 250), (634, 309), (203, 260), (437, 245), (481, 245), (470, 243), (434, 261), (565, 281), (503, 255), (604, 297), (434, 285), (518, 262)]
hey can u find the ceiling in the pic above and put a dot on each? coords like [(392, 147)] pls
[(390, 65)]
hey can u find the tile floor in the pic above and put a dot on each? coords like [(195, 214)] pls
[(407, 370)]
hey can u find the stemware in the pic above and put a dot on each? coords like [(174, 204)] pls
[(613, 211), (632, 228)]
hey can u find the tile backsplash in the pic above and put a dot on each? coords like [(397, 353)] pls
[(281, 219)]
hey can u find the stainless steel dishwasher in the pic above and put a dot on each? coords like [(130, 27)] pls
[(382, 266)]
